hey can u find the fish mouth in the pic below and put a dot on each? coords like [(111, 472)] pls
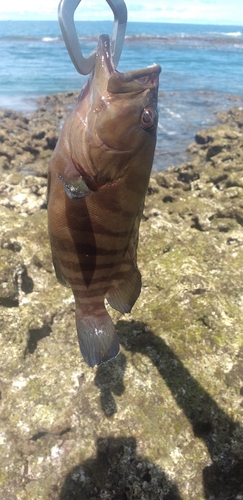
[(119, 83), (103, 54)]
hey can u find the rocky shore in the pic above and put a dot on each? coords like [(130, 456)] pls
[(165, 419)]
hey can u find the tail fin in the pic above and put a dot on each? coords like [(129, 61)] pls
[(98, 339)]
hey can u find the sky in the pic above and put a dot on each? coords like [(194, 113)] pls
[(176, 11)]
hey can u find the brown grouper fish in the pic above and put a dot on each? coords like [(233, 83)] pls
[(98, 177)]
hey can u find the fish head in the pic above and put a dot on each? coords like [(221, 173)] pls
[(120, 114)]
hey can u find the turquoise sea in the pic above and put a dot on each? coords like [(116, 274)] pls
[(202, 69)]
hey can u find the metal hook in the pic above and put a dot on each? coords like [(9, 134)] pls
[(84, 65)]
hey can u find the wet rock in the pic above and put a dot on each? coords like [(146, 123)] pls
[(25, 194), (233, 117), (25, 140)]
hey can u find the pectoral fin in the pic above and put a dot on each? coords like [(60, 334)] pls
[(59, 274), (74, 188)]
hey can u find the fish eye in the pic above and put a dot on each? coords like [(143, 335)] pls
[(148, 118)]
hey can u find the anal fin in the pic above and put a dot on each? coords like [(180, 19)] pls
[(123, 294)]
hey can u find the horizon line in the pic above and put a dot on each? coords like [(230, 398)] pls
[(196, 22)]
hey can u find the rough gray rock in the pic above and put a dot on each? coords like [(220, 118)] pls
[(165, 419)]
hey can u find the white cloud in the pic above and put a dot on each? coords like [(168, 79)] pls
[(211, 11)]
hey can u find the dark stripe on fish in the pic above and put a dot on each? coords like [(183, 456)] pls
[(105, 279), (101, 229), (90, 250), (75, 267)]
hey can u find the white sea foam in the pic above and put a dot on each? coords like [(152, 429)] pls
[(18, 102), (49, 39), (172, 113), (232, 33)]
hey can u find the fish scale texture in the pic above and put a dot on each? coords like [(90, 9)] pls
[(97, 181)]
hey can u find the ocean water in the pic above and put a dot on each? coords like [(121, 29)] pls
[(202, 70)]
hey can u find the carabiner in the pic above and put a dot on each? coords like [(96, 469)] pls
[(84, 65)]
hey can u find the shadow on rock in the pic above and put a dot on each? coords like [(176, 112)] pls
[(223, 480), (109, 379), (118, 473)]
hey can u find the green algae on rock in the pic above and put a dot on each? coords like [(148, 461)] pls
[(165, 419)]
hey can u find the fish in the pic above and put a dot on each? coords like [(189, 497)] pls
[(97, 181)]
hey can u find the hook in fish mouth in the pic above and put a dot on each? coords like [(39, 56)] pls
[(132, 81)]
